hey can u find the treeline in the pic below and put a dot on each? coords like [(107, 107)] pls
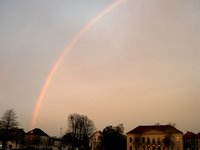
[(78, 135)]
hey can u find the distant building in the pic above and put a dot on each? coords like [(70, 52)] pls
[(55, 143), (67, 141), (95, 141), (155, 137), (37, 139), (191, 141), (198, 141), (15, 138)]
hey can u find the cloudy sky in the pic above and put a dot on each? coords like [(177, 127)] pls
[(137, 65)]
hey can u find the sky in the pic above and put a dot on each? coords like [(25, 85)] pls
[(137, 65)]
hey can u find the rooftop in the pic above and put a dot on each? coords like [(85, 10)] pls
[(162, 128), (37, 131)]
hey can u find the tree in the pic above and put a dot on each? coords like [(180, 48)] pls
[(8, 122), (169, 138), (168, 141), (80, 128), (114, 138)]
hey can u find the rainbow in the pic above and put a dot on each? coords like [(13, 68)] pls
[(66, 50)]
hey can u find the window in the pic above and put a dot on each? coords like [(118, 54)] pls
[(154, 141), (177, 139), (148, 140), (159, 141), (130, 139), (148, 147), (163, 148), (143, 139), (130, 148)]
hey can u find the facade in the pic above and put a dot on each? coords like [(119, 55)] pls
[(37, 139), (155, 137), (95, 140), (198, 141), (191, 141), (55, 143), (15, 138)]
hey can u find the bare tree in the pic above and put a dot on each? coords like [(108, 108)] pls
[(168, 141), (8, 122), (81, 128)]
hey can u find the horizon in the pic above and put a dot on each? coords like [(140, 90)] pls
[(61, 133), (125, 132)]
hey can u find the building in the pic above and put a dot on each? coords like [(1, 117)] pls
[(95, 140), (155, 137), (15, 138), (55, 143), (198, 141), (36, 139), (191, 141)]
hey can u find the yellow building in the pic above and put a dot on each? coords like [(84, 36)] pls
[(155, 137)]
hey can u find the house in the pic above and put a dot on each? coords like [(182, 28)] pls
[(37, 139), (155, 137), (95, 140), (191, 141), (55, 143), (15, 138), (67, 141)]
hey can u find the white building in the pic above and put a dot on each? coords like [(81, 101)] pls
[(95, 140)]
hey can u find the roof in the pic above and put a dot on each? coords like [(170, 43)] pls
[(198, 135), (97, 132), (189, 135), (19, 131), (37, 131), (14, 130), (162, 128)]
